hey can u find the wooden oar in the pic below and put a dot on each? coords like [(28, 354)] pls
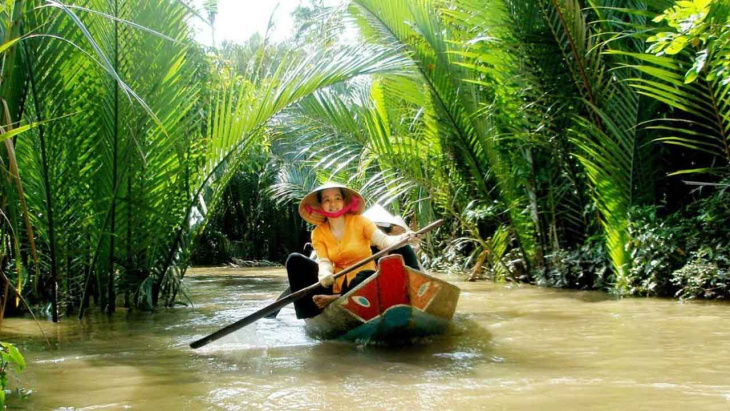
[(304, 292)]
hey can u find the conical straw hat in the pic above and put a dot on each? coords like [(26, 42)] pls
[(311, 200), (380, 216)]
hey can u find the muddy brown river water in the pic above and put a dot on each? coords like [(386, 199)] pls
[(510, 347)]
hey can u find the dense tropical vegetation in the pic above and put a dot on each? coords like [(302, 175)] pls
[(11, 362), (571, 143)]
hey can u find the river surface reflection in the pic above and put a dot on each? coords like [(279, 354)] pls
[(510, 347)]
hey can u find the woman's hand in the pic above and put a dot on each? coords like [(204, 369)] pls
[(414, 240), (325, 272), (327, 280)]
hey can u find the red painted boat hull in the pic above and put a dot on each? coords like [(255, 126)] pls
[(396, 303)]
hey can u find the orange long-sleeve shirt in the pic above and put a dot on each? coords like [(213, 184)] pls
[(354, 246)]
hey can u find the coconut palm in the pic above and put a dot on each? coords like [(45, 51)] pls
[(480, 60), (462, 92)]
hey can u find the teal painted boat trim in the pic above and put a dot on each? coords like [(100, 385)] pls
[(397, 323)]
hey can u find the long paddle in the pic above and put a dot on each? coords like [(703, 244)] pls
[(304, 292)]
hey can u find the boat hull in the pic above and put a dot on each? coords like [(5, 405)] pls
[(395, 304)]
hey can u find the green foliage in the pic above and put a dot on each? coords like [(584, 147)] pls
[(704, 276), (657, 250), (557, 182), (586, 268), (149, 134), (684, 253), (699, 38), (250, 224), (211, 247), (453, 257), (706, 273), (531, 126), (699, 25), (317, 25), (11, 360), (688, 18)]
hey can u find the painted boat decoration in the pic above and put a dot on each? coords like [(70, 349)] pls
[(397, 303)]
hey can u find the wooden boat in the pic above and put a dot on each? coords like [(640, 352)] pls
[(397, 303)]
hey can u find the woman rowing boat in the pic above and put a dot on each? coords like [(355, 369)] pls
[(341, 238)]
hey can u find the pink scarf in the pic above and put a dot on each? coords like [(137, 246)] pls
[(354, 204)]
